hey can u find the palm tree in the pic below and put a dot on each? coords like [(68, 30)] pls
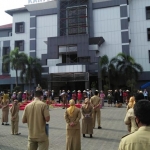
[(127, 65), (107, 68), (31, 71), (16, 60)]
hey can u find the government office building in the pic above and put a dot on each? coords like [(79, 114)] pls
[(70, 36)]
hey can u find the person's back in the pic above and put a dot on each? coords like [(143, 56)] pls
[(35, 120), (36, 114), (139, 140)]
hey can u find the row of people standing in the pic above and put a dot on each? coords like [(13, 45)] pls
[(90, 110), (118, 96)]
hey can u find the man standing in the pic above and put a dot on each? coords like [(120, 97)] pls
[(36, 114), (139, 140), (120, 96), (95, 102)]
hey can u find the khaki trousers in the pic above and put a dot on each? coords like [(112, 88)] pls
[(14, 127), (96, 113), (34, 144)]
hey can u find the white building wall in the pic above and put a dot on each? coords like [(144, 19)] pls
[(46, 27), (21, 17), (139, 45), (107, 25)]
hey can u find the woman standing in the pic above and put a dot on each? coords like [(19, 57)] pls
[(72, 117), (5, 108), (130, 117), (14, 110), (87, 121)]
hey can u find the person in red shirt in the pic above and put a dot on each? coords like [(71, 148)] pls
[(79, 97)]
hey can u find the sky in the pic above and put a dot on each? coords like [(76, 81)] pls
[(9, 4)]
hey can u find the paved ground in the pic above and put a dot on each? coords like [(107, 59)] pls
[(107, 138)]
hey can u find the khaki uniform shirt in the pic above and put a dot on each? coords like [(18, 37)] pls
[(95, 101), (130, 120), (35, 114), (139, 140)]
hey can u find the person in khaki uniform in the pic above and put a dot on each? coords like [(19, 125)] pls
[(87, 120), (139, 140), (14, 111), (95, 102), (72, 117), (36, 114)]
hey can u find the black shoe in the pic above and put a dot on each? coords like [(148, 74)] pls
[(91, 136), (63, 108), (83, 135), (99, 127), (7, 124), (17, 133), (2, 123)]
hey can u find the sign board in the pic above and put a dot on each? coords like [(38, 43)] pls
[(37, 1)]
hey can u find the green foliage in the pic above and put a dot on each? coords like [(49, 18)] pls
[(16, 60), (118, 70), (31, 71), (17, 89)]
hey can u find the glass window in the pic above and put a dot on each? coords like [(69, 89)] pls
[(148, 34), (148, 12), (77, 20)]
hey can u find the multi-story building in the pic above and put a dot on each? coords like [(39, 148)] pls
[(69, 36)]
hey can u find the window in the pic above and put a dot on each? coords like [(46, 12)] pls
[(6, 50), (19, 27), (148, 12), (148, 34), (9, 33), (149, 55), (5, 68), (20, 45), (77, 20), (69, 58)]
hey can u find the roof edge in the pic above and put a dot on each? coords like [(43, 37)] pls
[(16, 10)]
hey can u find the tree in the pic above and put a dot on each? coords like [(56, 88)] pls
[(127, 65), (31, 71), (107, 69), (16, 60)]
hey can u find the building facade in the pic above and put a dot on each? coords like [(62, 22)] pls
[(70, 36)]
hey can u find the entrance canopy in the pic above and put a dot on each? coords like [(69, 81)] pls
[(145, 85), (69, 77)]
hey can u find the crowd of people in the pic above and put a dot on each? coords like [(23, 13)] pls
[(36, 115)]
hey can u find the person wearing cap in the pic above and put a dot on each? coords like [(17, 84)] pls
[(139, 140), (84, 94), (5, 108), (87, 120), (95, 102), (74, 95), (52, 95), (69, 95), (14, 111), (79, 97), (72, 117), (36, 114), (64, 96)]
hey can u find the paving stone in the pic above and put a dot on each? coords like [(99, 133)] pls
[(107, 138)]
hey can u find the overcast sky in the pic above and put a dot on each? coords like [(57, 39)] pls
[(9, 4)]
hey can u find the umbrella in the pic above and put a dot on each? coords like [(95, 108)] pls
[(145, 85)]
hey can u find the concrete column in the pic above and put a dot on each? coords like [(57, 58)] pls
[(87, 85), (99, 75), (11, 87)]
